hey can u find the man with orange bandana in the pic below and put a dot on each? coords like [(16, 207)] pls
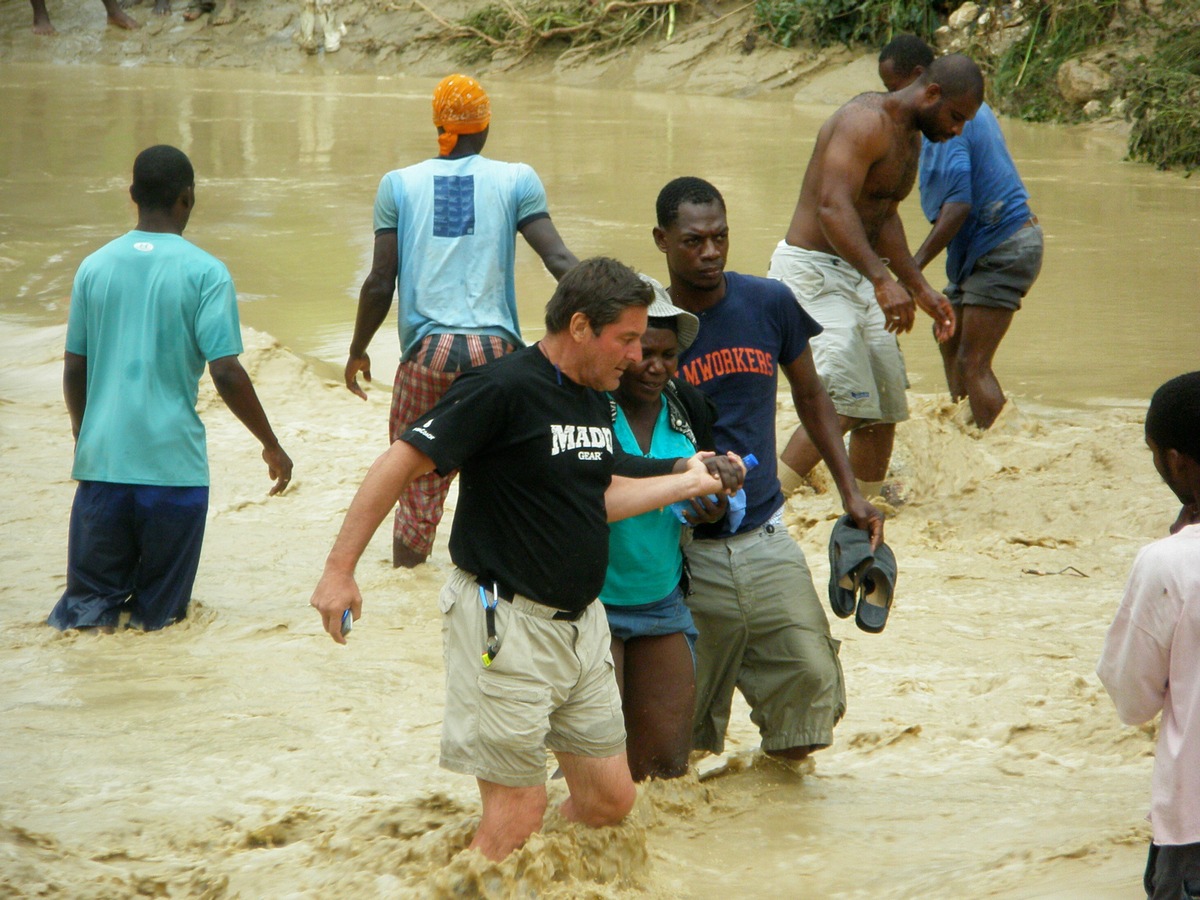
[(445, 242)]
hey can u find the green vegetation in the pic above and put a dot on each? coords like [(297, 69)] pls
[(829, 22), (1161, 88), (1023, 82), (519, 28), (1165, 103)]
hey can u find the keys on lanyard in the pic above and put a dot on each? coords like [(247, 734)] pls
[(489, 610)]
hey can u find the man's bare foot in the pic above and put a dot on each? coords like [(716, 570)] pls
[(118, 18), (197, 9), (44, 27), (227, 14)]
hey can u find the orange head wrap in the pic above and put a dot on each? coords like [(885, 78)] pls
[(460, 106)]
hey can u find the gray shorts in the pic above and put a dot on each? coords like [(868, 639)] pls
[(1003, 275), (762, 630), (552, 686), (858, 359)]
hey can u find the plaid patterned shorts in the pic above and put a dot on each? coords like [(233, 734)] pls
[(421, 380)]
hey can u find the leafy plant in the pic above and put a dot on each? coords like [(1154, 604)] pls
[(1165, 104), (1024, 82), (829, 22)]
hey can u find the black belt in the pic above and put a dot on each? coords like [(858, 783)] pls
[(506, 593)]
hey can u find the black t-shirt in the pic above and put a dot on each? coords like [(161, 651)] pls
[(535, 452)]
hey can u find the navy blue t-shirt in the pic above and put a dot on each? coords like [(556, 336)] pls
[(735, 360)]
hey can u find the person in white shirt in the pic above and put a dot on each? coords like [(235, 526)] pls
[(1151, 657)]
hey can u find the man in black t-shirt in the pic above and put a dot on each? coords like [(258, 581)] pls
[(527, 651)]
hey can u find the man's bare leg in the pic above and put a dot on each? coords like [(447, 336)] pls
[(982, 329), (119, 18), (510, 816), (801, 454), (226, 14), (871, 450), (602, 791), (949, 351), (41, 18)]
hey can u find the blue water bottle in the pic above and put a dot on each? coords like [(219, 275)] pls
[(737, 503)]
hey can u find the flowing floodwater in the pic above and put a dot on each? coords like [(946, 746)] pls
[(242, 754), (287, 168)]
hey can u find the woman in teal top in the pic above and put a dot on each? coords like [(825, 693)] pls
[(652, 630)]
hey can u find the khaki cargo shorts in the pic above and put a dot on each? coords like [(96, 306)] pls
[(551, 686), (858, 360), (764, 632)]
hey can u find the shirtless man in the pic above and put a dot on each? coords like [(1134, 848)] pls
[(844, 236)]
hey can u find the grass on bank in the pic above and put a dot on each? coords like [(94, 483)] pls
[(1165, 104), (1162, 89), (515, 29)]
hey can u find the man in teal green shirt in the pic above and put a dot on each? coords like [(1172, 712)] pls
[(148, 310)]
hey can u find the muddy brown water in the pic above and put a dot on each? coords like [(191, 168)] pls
[(287, 168), (242, 754)]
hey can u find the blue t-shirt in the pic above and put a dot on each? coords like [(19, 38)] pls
[(456, 223), (756, 327), (974, 168), (148, 310), (644, 559)]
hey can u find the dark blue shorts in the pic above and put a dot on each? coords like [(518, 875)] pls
[(134, 548), (669, 615)]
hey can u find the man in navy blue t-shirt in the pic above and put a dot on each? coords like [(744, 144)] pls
[(762, 628)]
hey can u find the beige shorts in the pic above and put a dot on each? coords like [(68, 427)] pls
[(859, 361), (550, 687)]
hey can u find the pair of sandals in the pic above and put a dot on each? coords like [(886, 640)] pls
[(862, 582)]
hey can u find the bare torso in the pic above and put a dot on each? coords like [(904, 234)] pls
[(863, 132)]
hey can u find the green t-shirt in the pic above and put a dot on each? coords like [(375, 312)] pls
[(644, 559), (148, 310)]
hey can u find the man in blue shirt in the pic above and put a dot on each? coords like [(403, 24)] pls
[(762, 627), (148, 310), (971, 192), (445, 241)]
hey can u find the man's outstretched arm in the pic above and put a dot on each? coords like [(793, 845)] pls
[(546, 242), (894, 245), (75, 389), (236, 389), (388, 476), (374, 301), (950, 220)]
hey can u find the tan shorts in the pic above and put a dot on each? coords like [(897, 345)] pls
[(551, 687), (859, 361), (763, 631)]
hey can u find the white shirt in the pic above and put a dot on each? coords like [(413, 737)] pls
[(1151, 662)]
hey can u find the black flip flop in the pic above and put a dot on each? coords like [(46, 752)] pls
[(876, 591), (849, 558)]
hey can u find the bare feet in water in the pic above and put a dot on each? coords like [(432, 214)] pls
[(197, 9), (116, 17)]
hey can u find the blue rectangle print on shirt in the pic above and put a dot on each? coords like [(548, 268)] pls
[(453, 205)]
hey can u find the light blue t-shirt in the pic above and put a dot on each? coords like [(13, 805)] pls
[(644, 559), (148, 310), (974, 168), (456, 223)]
